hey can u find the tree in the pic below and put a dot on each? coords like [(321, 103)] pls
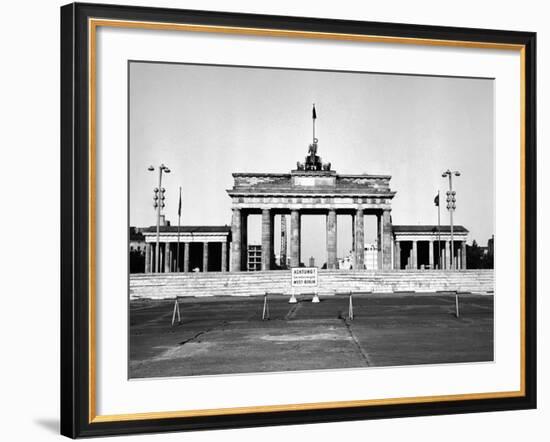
[(474, 255), (478, 258)]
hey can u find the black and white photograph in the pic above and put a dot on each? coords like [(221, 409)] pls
[(291, 220), (275, 221)]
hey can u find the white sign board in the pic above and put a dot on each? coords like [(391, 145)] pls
[(304, 277)]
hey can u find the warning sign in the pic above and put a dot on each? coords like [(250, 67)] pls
[(304, 277)]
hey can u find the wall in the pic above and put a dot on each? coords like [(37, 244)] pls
[(30, 159), (170, 285)]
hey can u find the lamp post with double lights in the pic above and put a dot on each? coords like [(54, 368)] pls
[(158, 204), (451, 206)]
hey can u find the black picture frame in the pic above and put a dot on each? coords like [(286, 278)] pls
[(75, 220)]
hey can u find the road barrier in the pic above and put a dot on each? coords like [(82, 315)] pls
[(265, 312), (176, 310), (349, 294)]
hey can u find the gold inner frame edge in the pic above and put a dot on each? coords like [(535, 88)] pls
[(93, 24)]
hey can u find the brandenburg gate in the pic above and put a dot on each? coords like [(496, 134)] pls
[(312, 188)]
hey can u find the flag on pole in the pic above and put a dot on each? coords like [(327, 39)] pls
[(436, 200), (314, 114), (179, 205)]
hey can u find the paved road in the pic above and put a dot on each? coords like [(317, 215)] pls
[(227, 335)]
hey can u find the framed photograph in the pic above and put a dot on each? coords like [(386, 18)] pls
[(273, 220)]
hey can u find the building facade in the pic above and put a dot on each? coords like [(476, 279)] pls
[(312, 188), (201, 248), (429, 247)]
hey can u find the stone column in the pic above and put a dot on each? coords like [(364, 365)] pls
[(359, 239), (414, 255), (244, 240), (161, 257), (205, 257), (186, 257), (295, 238), (272, 247), (431, 253), (148, 258), (353, 241), (447, 255), (463, 250), (392, 251), (386, 239), (379, 241), (236, 241), (167, 257), (224, 256), (282, 260), (332, 258), (353, 233), (397, 259), (266, 239)]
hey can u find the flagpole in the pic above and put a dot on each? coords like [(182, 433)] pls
[(178, 247), (314, 117), (438, 230)]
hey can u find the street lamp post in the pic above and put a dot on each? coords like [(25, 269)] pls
[(158, 203), (451, 206)]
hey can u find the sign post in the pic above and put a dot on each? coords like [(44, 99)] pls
[(303, 277)]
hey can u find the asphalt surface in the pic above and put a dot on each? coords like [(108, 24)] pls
[(227, 335)]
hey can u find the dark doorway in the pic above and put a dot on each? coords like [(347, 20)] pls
[(423, 250), (214, 257), (406, 250), (195, 256)]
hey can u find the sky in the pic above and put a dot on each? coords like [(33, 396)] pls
[(206, 122)]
